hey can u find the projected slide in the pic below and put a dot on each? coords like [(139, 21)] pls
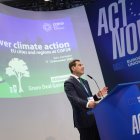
[(34, 55), (36, 47)]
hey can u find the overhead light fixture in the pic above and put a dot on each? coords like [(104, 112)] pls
[(46, 0)]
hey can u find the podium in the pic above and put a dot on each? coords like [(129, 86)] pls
[(118, 114)]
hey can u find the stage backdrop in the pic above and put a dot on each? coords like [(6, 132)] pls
[(115, 26), (35, 49)]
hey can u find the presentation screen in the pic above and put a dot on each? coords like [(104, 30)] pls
[(35, 48), (34, 54)]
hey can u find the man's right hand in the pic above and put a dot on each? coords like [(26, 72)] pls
[(91, 104)]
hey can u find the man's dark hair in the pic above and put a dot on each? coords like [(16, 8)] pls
[(72, 63)]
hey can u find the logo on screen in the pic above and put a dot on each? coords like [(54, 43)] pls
[(58, 26), (19, 69)]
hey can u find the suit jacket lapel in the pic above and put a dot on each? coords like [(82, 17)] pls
[(77, 83)]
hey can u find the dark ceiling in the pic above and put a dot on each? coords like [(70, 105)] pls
[(41, 5)]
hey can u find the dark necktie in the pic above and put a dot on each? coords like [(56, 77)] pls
[(82, 83)]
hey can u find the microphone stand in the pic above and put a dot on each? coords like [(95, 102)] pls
[(96, 84)]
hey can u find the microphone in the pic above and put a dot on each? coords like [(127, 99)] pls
[(96, 84)]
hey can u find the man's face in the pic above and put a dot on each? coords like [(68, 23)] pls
[(78, 69)]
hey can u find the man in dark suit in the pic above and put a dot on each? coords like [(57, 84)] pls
[(80, 96)]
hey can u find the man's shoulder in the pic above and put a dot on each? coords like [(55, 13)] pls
[(71, 79)]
